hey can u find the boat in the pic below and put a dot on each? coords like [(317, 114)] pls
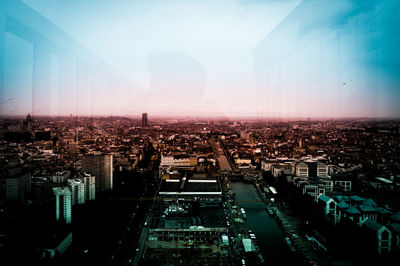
[(257, 249), (270, 212), (243, 213), (290, 244), (260, 257)]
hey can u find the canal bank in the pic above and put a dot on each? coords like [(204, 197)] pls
[(270, 238)]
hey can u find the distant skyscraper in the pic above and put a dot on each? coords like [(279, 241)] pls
[(144, 120), (28, 122), (78, 191), (90, 185), (102, 168), (63, 204), (300, 143), (244, 134)]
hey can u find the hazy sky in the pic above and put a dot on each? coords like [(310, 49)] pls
[(236, 57)]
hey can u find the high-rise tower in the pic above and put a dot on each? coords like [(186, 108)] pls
[(63, 204), (77, 190), (102, 167), (90, 185), (144, 120)]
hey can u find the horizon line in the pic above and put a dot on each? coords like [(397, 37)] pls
[(230, 117)]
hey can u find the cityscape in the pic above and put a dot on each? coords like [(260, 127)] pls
[(234, 132)]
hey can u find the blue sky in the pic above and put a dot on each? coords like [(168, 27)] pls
[(203, 58)]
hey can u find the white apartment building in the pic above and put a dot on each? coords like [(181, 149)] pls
[(77, 188), (89, 180), (63, 204)]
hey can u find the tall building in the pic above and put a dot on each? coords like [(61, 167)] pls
[(63, 204), (144, 120), (18, 184), (28, 122), (102, 167), (61, 177), (77, 188), (244, 134), (90, 185)]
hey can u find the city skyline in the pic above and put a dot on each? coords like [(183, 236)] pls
[(247, 192), (260, 59)]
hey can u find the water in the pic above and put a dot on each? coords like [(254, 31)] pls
[(269, 236)]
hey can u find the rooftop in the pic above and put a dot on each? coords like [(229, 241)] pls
[(61, 190), (324, 198), (372, 225)]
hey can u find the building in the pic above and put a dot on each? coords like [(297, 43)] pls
[(395, 229), (57, 245), (356, 210), (322, 170), (329, 207), (302, 169), (77, 188), (18, 185), (90, 185), (168, 160), (244, 134), (144, 120), (342, 184), (327, 184), (187, 234), (61, 177), (190, 214), (377, 236), (63, 204), (101, 166), (313, 190), (243, 163), (248, 245), (190, 188), (28, 122)]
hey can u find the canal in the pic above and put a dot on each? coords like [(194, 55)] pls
[(269, 235)]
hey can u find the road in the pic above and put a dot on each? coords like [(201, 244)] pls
[(141, 247), (236, 251), (126, 246), (142, 242), (131, 243)]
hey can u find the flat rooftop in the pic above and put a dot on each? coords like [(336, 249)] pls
[(208, 214), (190, 187)]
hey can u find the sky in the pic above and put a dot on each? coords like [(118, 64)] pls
[(259, 58)]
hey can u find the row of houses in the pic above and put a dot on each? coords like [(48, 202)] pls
[(306, 167), (312, 176), (317, 185), (381, 226)]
